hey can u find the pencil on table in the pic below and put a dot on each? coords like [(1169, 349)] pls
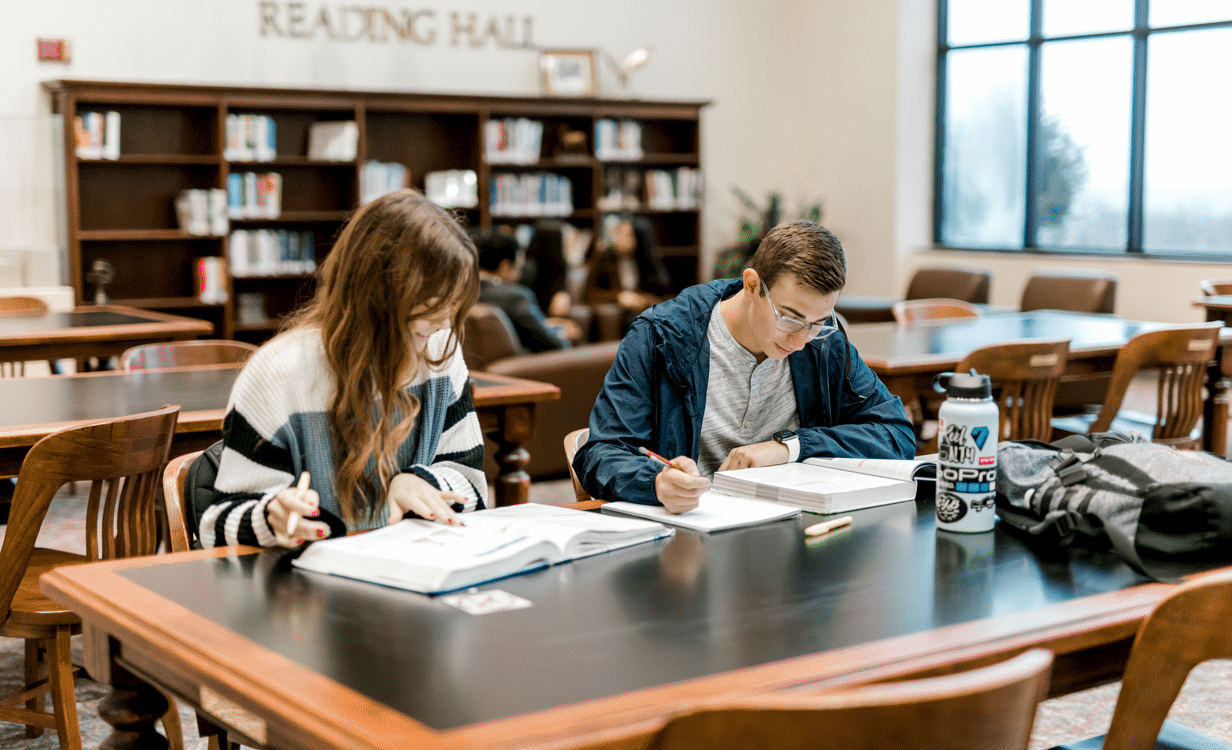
[(826, 527)]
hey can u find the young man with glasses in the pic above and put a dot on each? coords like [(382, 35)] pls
[(737, 373)]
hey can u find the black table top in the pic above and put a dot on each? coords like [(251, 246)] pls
[(953, 338), (60, 321), (36, 401), (674, 609)]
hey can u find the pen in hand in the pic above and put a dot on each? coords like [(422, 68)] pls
[(293, 518), (651, 454)]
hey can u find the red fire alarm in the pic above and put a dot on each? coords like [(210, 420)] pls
[(53, 50)]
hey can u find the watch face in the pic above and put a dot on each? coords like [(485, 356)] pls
[(783, 435)]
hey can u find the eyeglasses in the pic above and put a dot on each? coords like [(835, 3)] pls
[(791, 325)]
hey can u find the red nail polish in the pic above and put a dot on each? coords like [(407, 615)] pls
[(431, 516), (320, 533), (450, 521)]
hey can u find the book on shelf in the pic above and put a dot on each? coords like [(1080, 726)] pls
[(817, 487), (434, 558), (211, 288), (715, 511), (671, 190), (98, 135), (376, 178), (533, 194), (202, 212), (252, 195), (513, 141), (250, 138), (250, 309), (271, 252), (618, 140), (333, 140)]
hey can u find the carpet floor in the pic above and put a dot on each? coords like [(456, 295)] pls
[(1204, 703)]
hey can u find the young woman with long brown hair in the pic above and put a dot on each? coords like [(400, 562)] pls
[(366, 391)]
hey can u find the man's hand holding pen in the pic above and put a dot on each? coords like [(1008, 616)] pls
[(680, 484)]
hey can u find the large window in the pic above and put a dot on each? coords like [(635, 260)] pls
[(1085, 126)]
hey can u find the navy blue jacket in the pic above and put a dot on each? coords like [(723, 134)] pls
[(655, 395)]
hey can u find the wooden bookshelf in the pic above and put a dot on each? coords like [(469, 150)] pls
[(172, 138)]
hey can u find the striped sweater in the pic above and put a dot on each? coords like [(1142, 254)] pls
[(276, 426)]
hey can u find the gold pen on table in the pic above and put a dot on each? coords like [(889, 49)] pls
[(826, 527), (294, 517)]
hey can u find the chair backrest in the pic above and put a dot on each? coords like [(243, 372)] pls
[(1184, 630), (1024, 377), (573, 441), (179, 508), (186, 354), (967, 283), (1181, 356), (1076, 290), (988, 708), (1215, 287), (488, 337), (21, 307), (122, 460), (908, 311)]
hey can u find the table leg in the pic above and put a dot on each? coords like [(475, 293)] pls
[(516, 427), (131, 709), (1215, 411)]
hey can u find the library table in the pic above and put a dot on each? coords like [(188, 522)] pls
[(38, 406), (906, 357), (609, 647), (92, 331)]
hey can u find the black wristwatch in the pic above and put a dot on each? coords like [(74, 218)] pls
[(790, 439)]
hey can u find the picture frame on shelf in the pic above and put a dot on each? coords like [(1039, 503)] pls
[(568, 72)]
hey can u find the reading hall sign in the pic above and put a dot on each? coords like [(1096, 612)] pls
[(380, 23)]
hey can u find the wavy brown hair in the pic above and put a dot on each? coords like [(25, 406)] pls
[(397, 253)]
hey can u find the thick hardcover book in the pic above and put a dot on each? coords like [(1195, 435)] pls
[(819, 486), (433, 558)]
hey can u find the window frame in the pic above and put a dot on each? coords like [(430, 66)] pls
[(1140, 34)]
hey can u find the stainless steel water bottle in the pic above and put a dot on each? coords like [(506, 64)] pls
[(966, 453)]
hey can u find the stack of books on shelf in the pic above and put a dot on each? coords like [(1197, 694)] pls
[(210, 285), (673, 190), (254, 196), (98, 135), (539, 194), (250, 309), (333, 140), (376, 178), (618, 140), (513, 141), (203, 212), (452, 188), (250, 138), (271, 252)]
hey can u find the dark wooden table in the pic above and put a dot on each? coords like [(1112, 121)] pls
[(610, 647), (859, 308), (37, 407), (92, 331), (906, 357)]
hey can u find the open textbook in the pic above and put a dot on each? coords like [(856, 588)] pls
[(828, 485), (433, 558), (715, 511)]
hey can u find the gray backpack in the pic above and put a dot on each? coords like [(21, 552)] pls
[(1166, 512)]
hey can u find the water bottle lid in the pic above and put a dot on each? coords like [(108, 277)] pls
[(963, 385)]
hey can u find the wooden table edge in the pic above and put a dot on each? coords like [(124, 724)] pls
[(218, 657)]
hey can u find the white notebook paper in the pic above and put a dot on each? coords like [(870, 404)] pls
[(715, 511)]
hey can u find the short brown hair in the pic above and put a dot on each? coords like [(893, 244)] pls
[(809, 252)]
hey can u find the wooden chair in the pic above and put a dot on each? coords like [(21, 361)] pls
[(967, 283), (185, 354), (1024, 378), (179, 509), (936, 308), (1076, 290), (19, 307), (573, 441), (122, 460), (1215, 287), (1184, 630), (991, 708), (1181, 356)]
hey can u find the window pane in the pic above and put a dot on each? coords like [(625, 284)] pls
[(979, 21), (1188, 192), (1083, 143), (1067, 17), (984, 175), (1177, 12)]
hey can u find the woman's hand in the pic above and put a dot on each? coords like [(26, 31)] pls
[(409, 493), (288, 514)]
